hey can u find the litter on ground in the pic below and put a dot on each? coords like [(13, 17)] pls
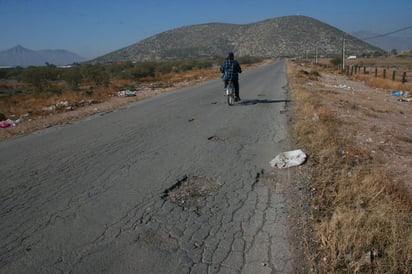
[(289, 159)]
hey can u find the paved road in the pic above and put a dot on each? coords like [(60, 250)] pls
[(101, 195)]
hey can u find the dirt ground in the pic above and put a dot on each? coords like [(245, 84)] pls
[(382, 122), (31, 124)]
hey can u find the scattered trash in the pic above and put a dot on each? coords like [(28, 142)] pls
[(126, 93), (62, 104), (289, 159), (7, 123), (315, 117), (83, 103), (406, 99), (406, 96), (49, 109), (341, 86), (345, 87), (397, 93)]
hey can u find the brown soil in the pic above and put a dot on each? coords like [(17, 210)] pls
[(170, 82), (355, 209), (381, 122), (31, 124)]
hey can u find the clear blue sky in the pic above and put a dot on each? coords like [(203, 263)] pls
[(92, 28)]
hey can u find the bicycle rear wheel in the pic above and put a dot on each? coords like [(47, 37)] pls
[(230, 94), (230, 99)]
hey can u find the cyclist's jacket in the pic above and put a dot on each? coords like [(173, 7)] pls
[(230, 69)]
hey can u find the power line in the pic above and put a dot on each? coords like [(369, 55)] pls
[(386, 34)]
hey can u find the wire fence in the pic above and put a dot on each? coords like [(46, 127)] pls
[(379, 72), (394, 74)]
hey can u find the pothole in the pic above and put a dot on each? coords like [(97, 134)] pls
[(190, 191), (214, 138)]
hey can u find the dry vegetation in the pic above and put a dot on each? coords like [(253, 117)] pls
[(29, 107), (360, 218), (33, 103)]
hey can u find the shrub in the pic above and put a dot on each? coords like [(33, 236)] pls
[(336, 61)]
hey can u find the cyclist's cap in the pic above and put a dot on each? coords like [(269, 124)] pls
[(230, 55)]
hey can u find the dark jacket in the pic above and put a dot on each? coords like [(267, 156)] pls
[(230, 69)]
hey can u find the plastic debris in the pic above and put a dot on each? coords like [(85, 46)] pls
[(7, 123), (397, 93), (126, 93), (289, 159), (315, 117), (405, 95), (340, 86), (345, 87)]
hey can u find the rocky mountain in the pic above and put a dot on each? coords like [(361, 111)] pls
[(292, 36), (386, 42), (20, 56)]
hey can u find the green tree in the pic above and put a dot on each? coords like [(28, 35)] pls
[(3, 73), (40, 77), (336, 61), (73, 77), (97, 74), (145, 69)]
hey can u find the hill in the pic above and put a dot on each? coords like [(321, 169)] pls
[(23, 57), (291, 36)]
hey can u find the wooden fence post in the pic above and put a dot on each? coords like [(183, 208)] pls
[(384, 73), (404, 78), (376, 72), (393, 75)]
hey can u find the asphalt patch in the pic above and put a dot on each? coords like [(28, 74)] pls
[(190, 191)]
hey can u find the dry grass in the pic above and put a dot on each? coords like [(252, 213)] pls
[(383, 83), (360, 221), (30, 105), (16, 105), (33, 102), (176, 77)]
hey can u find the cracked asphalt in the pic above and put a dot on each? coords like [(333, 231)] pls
[(89, 197)]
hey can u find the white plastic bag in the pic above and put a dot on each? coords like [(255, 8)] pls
[(289, 159)]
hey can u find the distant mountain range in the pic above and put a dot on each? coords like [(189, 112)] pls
[(292, 36), (385, 42), (20, 56)]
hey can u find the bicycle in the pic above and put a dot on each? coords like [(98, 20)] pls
[(230, 93)]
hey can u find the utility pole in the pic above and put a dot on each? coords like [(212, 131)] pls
[(343, 53)]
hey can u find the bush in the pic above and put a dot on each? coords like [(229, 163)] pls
[(97, 74), (40, 77), (73, 77), (247, 60), (141, 70), (336, 61)]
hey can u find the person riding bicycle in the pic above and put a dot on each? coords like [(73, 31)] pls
[(231, 69)]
